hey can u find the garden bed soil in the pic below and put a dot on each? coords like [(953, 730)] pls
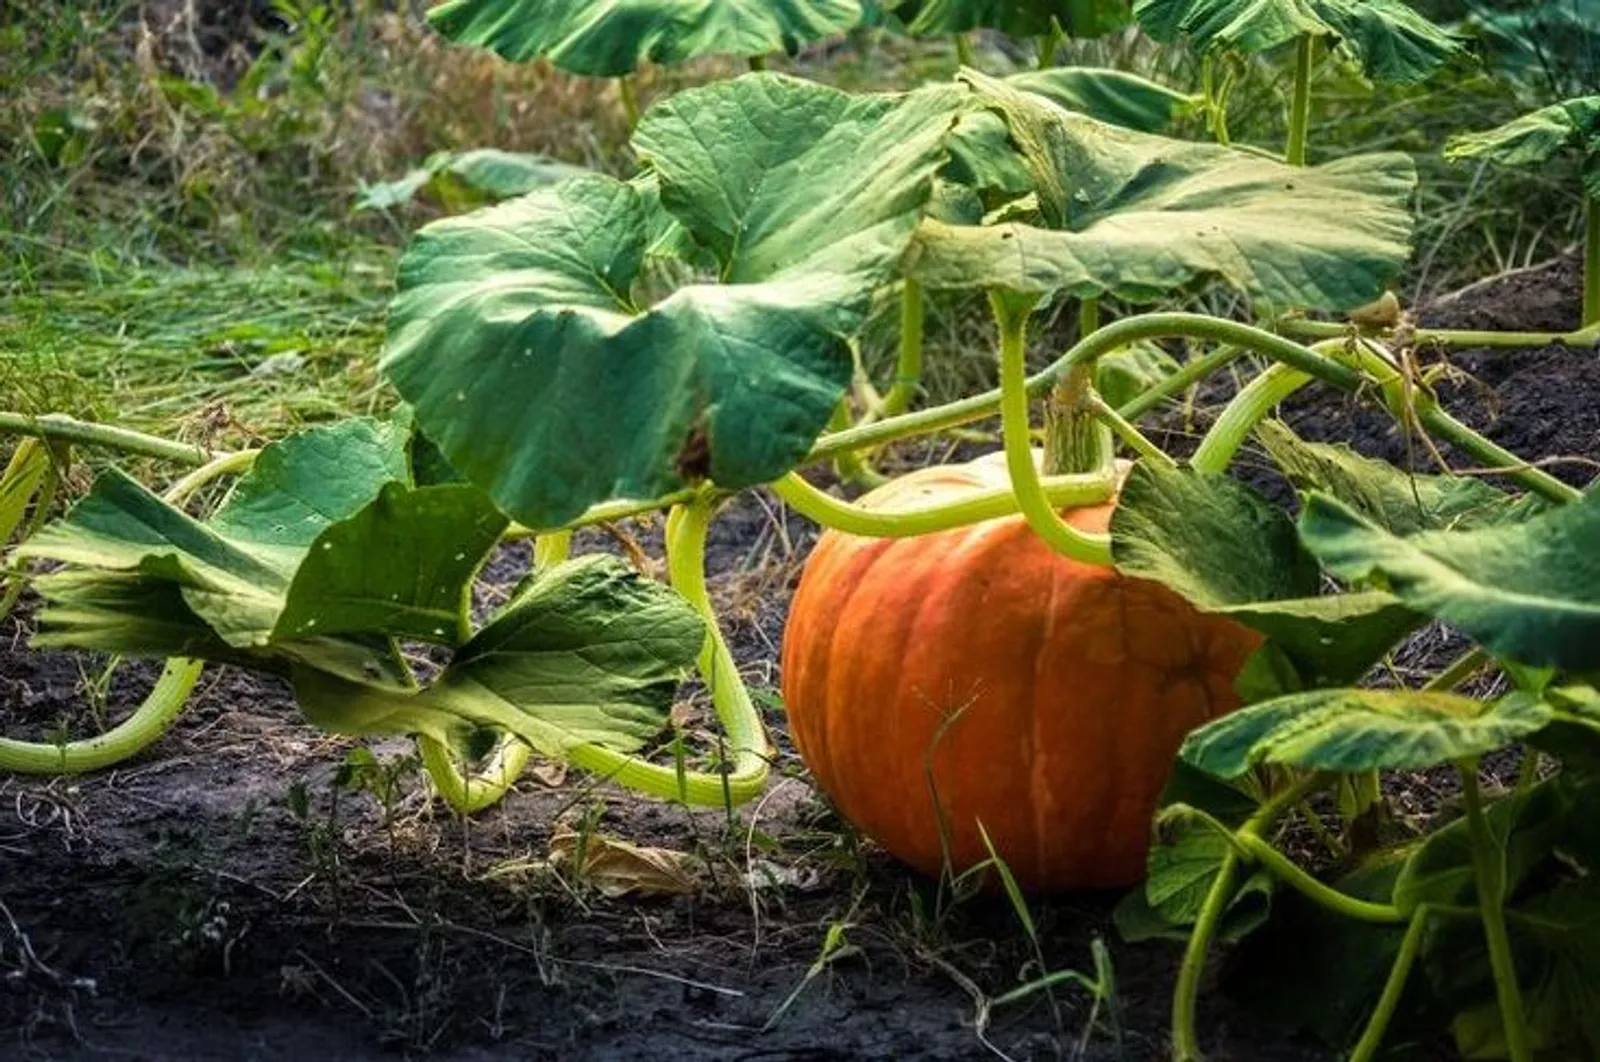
[(213, 899)]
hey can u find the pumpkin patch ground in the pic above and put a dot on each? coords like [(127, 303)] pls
[(226, 895)]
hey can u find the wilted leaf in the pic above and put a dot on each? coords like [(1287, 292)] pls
[(617, 868)]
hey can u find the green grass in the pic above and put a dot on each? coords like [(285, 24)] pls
[(223, 357)]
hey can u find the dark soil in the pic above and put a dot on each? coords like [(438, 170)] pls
[(220, 898)]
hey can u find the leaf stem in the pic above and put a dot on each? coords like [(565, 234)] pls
[(1300, 106), (1588, 336), (1489, 866), (133, 735), (1011, 314), (1063, 492), (1111, 337), (1247, 409), (1126, 431), (1393, 987), (470, 792), (964, 51), (630, 102), (1191, 372), (908, 365), (61, 428), (1290, 873), (1186, 994)]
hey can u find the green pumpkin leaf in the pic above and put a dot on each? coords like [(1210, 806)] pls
[(1112, 96), (517, 339), (1138, 217), (1208, 537), (125, 613), (1400, 502), (752, 195), (1350, 730), (610, 38), (1525, 826), (588, 652), (122, 527), (469, 178), (1226, 549), (1019, 18), (1530, 591), (1185, 858), (403, 565), (324, 536), (1539, 136), (1392, 42)]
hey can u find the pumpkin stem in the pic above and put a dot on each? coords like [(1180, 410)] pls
[(1075, 440)]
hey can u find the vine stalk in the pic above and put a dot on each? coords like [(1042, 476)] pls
[(1300, 106)]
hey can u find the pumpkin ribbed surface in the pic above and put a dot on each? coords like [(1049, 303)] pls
[(1042, 697)]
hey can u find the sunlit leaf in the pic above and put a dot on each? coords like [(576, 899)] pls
[(468, 178), (1137, 216), (517, 338), (1113, 96), (1539, 136)]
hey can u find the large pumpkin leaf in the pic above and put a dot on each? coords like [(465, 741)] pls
[(982, 156), (1392, 42), (1020, 18), (608, 38), (1228, 550), (1137, 216), (1351, 730), (589, 652), (468, 178), (777, 175), (324, 536), (517, 338), (1113, 96), (1394, 500), (1538, 137), (1529, 592)]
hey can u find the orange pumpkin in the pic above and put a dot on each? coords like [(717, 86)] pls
[(1039, 696)]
